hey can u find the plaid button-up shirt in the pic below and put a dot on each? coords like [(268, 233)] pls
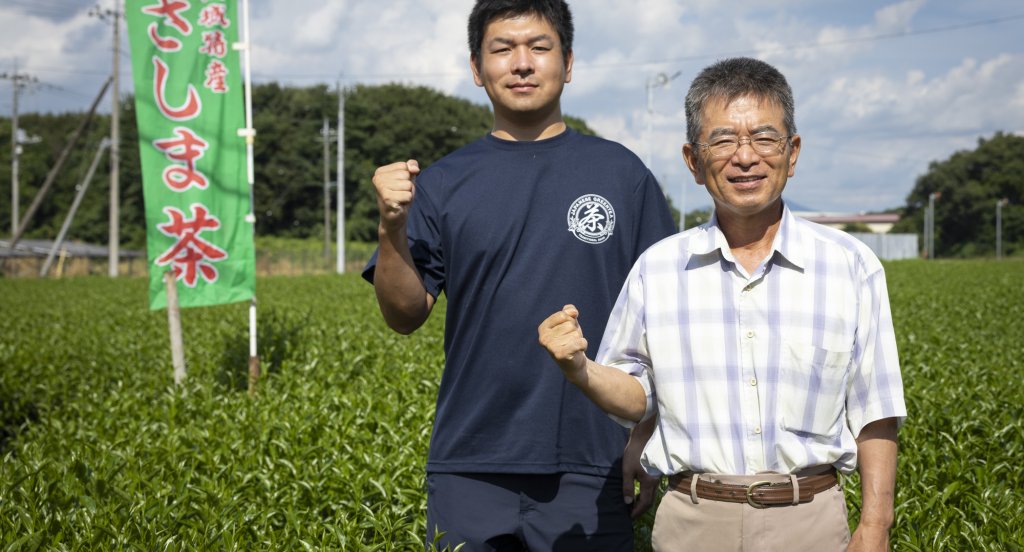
[(772, 371)]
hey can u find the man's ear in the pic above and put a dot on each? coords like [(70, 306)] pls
[(694, 163), (568, 67), (794, 153), (474, 66)]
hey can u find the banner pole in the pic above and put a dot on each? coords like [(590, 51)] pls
[(174, 326), (340, 264), (250, 137)]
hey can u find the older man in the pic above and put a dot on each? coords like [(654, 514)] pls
[(762, 342)]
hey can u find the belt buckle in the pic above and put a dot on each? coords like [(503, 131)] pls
[(750, 493)]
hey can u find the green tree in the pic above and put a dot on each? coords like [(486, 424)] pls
[(288, 159), (389, 123), (383, 123), (393, 122), (697, 217), (36, 161), (970, 183)]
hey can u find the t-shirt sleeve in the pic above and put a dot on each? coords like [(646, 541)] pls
[(424, 235), (652, 217)]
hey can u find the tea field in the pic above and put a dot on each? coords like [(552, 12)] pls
[(99, 450)]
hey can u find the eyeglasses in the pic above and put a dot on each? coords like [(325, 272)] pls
[(764, 144)]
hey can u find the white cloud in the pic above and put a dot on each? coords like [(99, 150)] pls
[(1018, 99), (319, 25), (873, 110), (968, 96), (897, 17)]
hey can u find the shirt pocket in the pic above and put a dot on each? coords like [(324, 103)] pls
[(812, 395)]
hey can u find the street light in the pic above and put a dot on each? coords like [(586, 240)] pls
[(657, 81), (999, 227)]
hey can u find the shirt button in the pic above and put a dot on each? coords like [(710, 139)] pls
[(750, 334), (757, 430), (753, 381)]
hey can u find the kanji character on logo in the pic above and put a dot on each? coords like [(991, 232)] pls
[(216, 77), (214, 15)]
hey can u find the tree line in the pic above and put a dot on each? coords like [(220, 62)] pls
[(382, 124), (968, 185), (385, 123)]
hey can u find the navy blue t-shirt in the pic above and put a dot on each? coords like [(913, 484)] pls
[(511, 232)]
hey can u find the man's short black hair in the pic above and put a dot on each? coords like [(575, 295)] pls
[(555, 12), (733, 78)]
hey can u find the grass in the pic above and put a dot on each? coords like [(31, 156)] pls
[(100, 451)]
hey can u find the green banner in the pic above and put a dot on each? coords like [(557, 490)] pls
[(190, 107)]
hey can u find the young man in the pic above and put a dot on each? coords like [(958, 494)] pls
[(763, 342), (518, 459)]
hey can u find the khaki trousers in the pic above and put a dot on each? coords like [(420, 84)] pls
[(684, 526)]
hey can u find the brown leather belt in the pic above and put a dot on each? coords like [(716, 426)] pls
[(759, 494)]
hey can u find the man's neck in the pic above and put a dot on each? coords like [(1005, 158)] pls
[(527, 129), (750, 237)]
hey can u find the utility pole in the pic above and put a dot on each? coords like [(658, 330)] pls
[(999, 227), (15, 152), (325, 133), (928, 226), (931, 223), (55, 170), (340, 181), (114, 240), (18, 81), (82, 188)]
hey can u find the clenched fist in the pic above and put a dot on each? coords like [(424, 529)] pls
[(562, 336), (396, 188)]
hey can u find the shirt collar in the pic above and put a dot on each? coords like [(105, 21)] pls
[(788, 242)]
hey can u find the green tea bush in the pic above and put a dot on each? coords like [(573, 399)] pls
[(99, 450), (960, 481), (104, 452)]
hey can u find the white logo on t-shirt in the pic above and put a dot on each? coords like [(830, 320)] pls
[(591, 218)]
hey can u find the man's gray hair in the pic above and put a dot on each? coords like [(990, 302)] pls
[(734, 78)]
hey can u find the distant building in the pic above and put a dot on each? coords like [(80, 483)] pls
[(879, 223), (887, 246)]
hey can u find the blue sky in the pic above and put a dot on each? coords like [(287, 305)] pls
[(882, 88)]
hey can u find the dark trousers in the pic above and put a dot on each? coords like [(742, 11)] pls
[(564, 512)]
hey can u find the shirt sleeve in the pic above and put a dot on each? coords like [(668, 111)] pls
[(875, 387), (423, 231), (624, 345)]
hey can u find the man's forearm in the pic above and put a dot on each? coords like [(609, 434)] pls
[(403, 300), (876, 456), (614, 391)]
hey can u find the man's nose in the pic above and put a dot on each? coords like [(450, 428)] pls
[(522, 62), (745, 155)]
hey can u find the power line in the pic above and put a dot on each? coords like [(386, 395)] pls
[(632, 64), (825, 44), (636, 64)]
